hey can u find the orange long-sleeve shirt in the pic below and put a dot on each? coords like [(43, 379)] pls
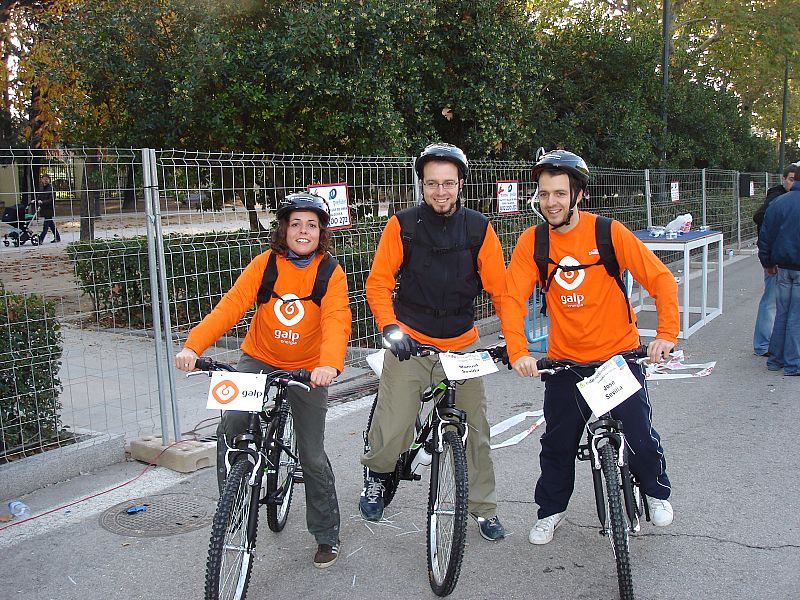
[(288, 335), (588, 313), (381, 283)]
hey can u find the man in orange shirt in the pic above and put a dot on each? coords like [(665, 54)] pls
[(590, 320), (289, 331), (442, 270)]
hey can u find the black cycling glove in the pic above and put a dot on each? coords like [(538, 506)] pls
[(402, 345), (501, 353)]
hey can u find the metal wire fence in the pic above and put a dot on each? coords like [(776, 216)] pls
[(151, 241)]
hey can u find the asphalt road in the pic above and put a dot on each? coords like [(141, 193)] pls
[(728, 439)]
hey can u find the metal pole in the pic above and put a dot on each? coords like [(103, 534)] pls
[(703, 185), (647, 198), (665, 35), (162, 276), (738, 211), (783, 117), (417, 192), (154, 296)]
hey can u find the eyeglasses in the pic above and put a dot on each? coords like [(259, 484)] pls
[(433, 186)]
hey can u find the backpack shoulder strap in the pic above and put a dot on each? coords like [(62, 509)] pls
[(608, 257), (326, 268), (602, 234), (541, 252), (477, 226), (324, 272), (408, 229), (268, 280)]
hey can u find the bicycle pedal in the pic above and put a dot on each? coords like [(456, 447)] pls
[(297, 477), (415, 477)]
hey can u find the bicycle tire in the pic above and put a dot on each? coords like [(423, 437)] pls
[(233, 537), (618, 523), (393, 480), (280, 471), (447, 514)]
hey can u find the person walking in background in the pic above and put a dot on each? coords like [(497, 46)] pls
[(446, 254), (46, 200), (591, 319), (765, 318), (779, 253), (291, 329)]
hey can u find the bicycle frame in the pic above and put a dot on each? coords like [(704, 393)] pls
[(442, 414)]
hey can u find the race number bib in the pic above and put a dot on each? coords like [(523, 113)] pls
[(467, 366), (612, 384), (236, 391)]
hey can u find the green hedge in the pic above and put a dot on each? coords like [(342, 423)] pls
[(30, 358), (114, 273)]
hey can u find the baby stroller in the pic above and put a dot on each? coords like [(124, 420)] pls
[(18, 219)]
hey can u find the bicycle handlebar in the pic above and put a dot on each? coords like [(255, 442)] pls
[(496, 352), (558, 364), (288, 378)]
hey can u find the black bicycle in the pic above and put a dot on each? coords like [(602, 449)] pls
[(439, 436), (621, 506), (268, 446)]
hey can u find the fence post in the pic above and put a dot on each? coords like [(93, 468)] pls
[(162, 279), (417, 191), (151, 217), (738, 211), (647, 198), (703, 186)]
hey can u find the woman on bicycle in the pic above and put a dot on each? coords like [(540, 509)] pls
[(289, 330)]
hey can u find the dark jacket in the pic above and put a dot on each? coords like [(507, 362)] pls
[(779, 241), (46, 199), (772, 193)]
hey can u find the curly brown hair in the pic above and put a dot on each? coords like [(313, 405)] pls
[(278, 240)]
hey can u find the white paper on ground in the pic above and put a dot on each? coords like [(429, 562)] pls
[(375, 361), (675, 363), (508, 423)]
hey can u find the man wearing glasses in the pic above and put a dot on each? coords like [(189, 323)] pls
[(446, 255)]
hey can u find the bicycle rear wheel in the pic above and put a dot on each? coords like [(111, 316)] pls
[(447, 514), (233, 536), (618, 523), (280, 471)]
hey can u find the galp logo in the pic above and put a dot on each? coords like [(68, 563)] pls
[(225, 391), (569, 280), (288, 310)]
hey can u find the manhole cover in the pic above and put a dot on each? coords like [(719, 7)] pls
[(163, 515)]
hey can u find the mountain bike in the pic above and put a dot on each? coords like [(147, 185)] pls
[(618, 497), (440, 433), (267, 447)]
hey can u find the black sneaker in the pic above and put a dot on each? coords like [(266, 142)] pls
[(491, 529), (326, 555), (371, 502)]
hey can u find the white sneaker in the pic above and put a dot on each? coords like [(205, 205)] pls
[(660, 511), (542, 531)]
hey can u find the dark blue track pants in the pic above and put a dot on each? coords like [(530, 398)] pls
[(566, 414)]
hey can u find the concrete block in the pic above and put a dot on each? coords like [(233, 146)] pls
[(184, 457)]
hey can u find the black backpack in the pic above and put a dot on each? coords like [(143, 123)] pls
[(608, 258), (477, 224), (324, 272)]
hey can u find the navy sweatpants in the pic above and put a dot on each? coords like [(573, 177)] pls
[(566, 414)]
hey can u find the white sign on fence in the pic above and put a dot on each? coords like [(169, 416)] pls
[(508, 196), (335, 194), (674, 188)]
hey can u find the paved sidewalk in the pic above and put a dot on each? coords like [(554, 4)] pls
[(728, 439)]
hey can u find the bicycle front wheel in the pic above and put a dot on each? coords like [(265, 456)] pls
[(233, 536), (280, 471), (618, 523), (447, 514)]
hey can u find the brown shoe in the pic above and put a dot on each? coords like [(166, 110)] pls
[(326, 555)]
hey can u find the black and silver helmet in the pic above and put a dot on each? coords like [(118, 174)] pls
[(443, 151), (563, 161), (305, 201)]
